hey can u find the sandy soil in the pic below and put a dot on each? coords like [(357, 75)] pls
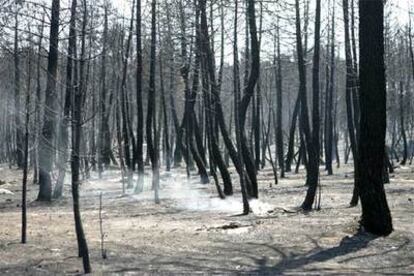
[(192, 231)]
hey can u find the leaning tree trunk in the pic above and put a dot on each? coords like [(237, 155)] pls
[(213, 100), (249, 89), (312, 167), (313, 149)]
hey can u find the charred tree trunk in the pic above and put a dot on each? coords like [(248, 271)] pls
[(140, 111), (312, 168), (63, 141), (46, 144), (151, 128), (279, 108), (376, 217), (18, 126), (350, 83), (237, 101), (330, 86)]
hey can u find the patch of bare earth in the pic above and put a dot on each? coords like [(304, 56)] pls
[(192, 231)]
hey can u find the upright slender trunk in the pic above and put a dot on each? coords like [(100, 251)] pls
[(237, 98), (104, 138), (46, 151), (402, 124), (279, 107), (350, 83), (140, 111), (18, 127), (70, 66), (330, 84), (151, 118), (26, 145)]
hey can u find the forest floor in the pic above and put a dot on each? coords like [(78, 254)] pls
[(192, 231)]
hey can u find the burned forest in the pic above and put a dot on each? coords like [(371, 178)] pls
[(175, 137)]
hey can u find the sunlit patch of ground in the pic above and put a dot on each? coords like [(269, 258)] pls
[(194, 231)]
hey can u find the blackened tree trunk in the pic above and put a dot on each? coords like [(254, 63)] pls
[(151, 118), (75, 168), (312, 167), (291, 143), (18, 126), (126, 127), (63, 137), (402, 124), (46, 144), (279, 107), (237, 98), (140, 111), (350, 77), (104, 138), (38, 101), (77, 102), (249, 88), (313, 153), (376, 216), (330, 85), (26, 145), (213, 102)]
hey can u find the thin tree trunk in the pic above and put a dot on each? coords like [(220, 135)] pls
[(46, 149)]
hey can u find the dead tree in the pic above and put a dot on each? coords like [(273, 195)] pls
[(237, 100), (17, 121), (279, 106), (151, 126), (46, 143), (140, 111), (376, 217), (312, 167), (350, 83), (64, 134)]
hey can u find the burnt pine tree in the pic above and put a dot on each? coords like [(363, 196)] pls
[(26, 144), (315, 147), (376, 216), (77, 103), (248, 93), (236, 87), (151, 128), (279, 107), (330, 85), (18, 126), (140, 111), (63, 137), (104, 139), (312, 169), (350, 82), (46, 143)]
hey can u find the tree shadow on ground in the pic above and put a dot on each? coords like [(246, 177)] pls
[(347, 245)]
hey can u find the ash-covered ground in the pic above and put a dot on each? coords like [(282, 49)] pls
[(193, 231)]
